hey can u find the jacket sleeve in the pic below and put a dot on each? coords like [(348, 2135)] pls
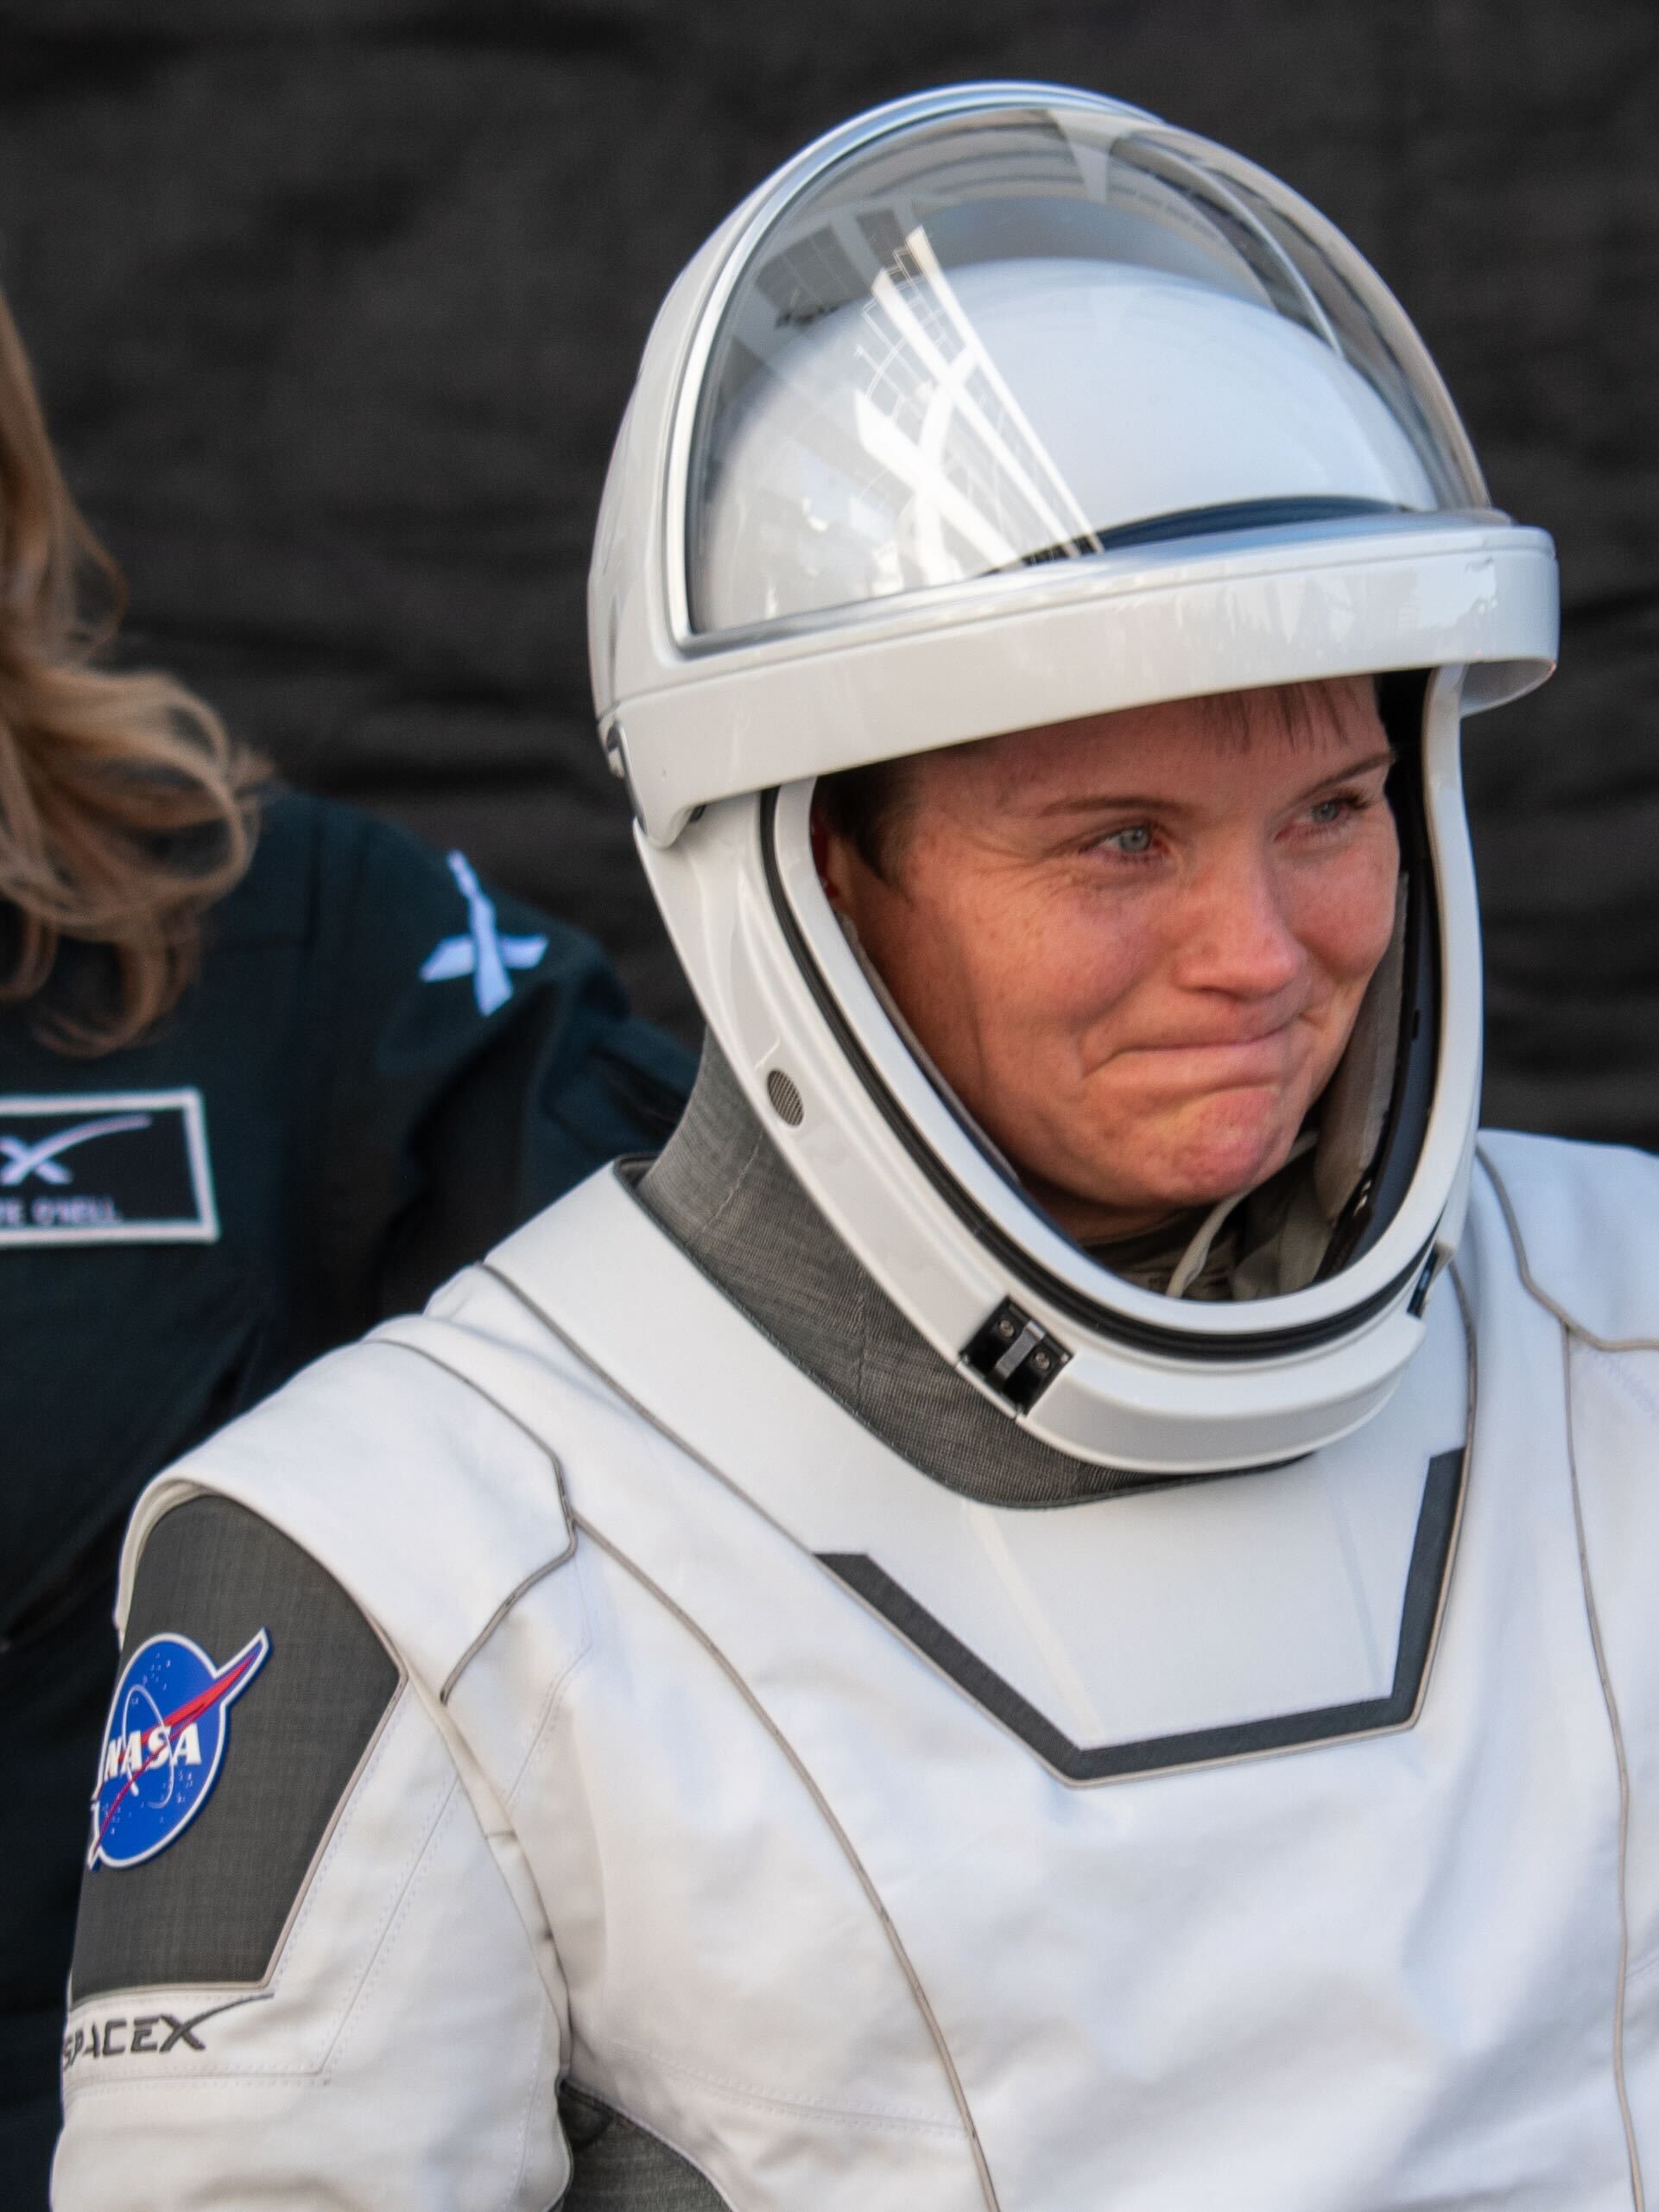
[(310, 1968), (479, 1061)]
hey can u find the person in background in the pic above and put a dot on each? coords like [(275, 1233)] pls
[(269, 1069)]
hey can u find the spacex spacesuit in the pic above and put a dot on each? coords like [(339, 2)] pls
[(796, 1682)]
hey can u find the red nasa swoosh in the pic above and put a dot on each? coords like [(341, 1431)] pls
[(203, 1701)]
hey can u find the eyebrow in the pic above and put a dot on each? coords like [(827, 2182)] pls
[(1135, 801)]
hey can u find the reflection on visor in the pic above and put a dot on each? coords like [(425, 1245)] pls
[(935, 412), (1024, 336)]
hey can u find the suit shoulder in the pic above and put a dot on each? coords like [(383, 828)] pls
[(425, 1500), (1584, 1220)]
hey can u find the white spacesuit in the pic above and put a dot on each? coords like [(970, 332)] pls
[(799, 1679)]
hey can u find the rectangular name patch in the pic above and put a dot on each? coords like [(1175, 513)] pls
[(106, 1167)]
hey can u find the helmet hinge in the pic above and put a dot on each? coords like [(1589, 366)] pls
[(1016, 1355)]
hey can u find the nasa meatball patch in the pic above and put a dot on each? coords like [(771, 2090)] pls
[(164, 1744), (251, 1694)]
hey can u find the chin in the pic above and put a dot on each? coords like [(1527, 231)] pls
[(1230, 1151)]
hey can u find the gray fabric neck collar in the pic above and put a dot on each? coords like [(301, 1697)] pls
[(724, 1193)]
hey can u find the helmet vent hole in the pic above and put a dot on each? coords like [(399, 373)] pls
[(786, 1101)]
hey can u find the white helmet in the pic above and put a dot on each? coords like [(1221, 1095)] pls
[(995, 408)]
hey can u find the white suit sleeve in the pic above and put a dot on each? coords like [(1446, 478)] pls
[(310, 1967)]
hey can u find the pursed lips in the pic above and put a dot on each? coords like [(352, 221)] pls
[(1220, 1062)]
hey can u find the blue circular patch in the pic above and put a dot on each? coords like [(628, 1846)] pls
[(164, 1744)]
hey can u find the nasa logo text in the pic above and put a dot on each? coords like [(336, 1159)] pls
[(164, 1744)]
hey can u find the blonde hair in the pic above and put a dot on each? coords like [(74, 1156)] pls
[(125, 809)]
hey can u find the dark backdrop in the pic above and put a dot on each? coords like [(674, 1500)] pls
[(336, 303)]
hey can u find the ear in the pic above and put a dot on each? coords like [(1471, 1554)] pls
[(829, 857)]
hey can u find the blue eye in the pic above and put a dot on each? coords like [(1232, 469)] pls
[(1134, 841), (1328, 810)]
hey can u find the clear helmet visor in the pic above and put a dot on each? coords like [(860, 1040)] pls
[(1026, 334)]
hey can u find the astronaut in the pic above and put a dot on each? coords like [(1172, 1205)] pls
[(1054, 1608)]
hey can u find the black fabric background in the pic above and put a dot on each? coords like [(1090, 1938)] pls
[(337, 302)]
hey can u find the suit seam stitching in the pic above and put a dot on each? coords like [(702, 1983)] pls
[(554, 1706), (1618, 1372), (930, 2020), (531, 2098), (544, 1569), (387, 1942), (771, 2100), (1615, 1728), (399, 1709), (1535, 1290)]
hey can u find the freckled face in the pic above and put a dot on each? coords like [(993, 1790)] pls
[(1135, 945)]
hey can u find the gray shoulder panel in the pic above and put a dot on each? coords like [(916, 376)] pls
[(213, 1861)]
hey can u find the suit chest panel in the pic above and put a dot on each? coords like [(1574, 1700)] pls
[(1358, 1936), (1367, 1966)]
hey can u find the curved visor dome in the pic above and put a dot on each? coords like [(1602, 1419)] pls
[(1032, 334)]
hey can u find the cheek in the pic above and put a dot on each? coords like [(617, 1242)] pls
[(1344, 917), (1057, 971), (1002, 984), (937, 972), (1092, 957)]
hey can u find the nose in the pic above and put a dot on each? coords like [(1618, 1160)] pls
[(1232, 932)]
